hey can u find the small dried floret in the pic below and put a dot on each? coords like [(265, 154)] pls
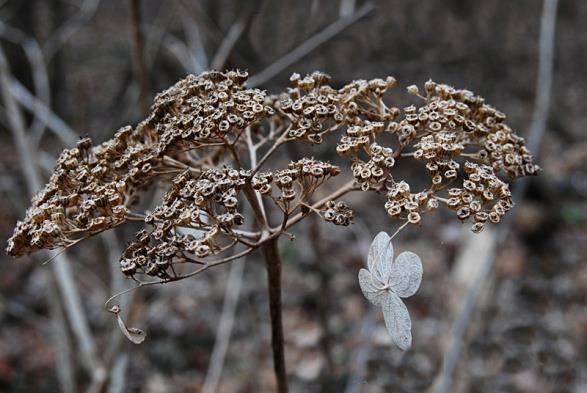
[(338, 213)]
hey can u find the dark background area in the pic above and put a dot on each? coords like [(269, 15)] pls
[(529, 330)]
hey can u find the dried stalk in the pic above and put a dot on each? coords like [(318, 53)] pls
[(309, 45), (139, 54), (444, 380), (273, 267), (61, 266)]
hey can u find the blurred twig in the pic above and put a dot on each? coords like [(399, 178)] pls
[(228, 43), (65, 370), (324, 298), (69, 28), (361, 354), (346, 8), (60, 266), (118, 374), (139, 54), (308, 46), (538, 126), (195, 42), (544, 79), (39, 72), (24, 97), (231, 296)]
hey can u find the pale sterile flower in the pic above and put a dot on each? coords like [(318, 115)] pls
[(387, 281)]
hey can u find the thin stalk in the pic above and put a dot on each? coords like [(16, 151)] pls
[(324, 302), (139, 54), (273, 266)]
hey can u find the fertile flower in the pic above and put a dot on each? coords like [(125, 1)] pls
[(387, 281)]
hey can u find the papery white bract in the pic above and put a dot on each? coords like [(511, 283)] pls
[(387, 281)]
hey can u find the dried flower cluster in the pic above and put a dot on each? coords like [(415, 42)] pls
[(92, 188), (201, 139)]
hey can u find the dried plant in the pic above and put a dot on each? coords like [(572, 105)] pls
[(202, 138)]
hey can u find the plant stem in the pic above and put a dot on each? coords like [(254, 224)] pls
[(273, 266)]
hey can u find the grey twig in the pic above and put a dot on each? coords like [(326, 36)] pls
[(118, 374), (24, 97), (183, 54), (234, 33), (346, 8), (69, 28), (139, 54), (309, 45), (39, 72), (197, 50), (538, 126), (231, 296), (544, 79), (60, 265), (361, 354)]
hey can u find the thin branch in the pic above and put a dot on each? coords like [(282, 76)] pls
[(231, 38), (361, 353), (61, 267), (69, 28), (118, 375), (452, 354), (139, 54), (24, 97), (346, 8), (39, 72), (197, 50), (182, 53), (65, 370), (224, 330), (544, 80), (350, 186), (308, 46)]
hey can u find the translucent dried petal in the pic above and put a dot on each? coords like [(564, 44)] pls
[(370, 287), (406, 274), (380, 257), (397, 320), (135, 335)]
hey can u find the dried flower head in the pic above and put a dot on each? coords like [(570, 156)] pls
[(201, 141)]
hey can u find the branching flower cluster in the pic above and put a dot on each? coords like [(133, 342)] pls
[(202, 137)]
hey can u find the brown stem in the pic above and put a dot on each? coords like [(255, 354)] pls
[(273, 266), (139, 49)]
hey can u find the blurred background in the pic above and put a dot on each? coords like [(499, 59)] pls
[(503, 311)]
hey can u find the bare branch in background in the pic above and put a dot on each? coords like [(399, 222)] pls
[(69, 28), (195, 41), (309, 45), (60, 266), (118, 375), (65, 370), (224, 329), (39, 72), (346, 8), (54, 123), (443, 383), (360, 355), (139, 55), (544, 79), (231, 38), (182, 53)]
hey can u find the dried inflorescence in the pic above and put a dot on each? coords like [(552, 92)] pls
[(92, 188), (204, 206), (202, 136)]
